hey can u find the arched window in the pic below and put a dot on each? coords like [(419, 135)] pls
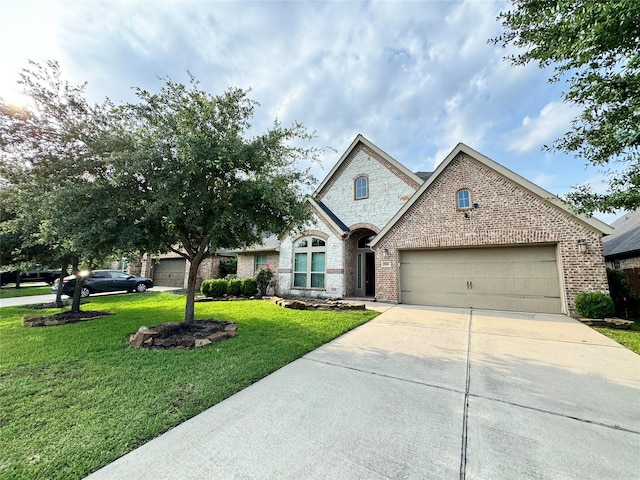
[(464, 198), (309, 254), (361, 188)]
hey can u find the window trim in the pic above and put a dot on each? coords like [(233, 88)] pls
[(256, 264), (366, 187), (468, 199), (309, 274)]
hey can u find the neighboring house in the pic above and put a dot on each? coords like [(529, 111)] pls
[(171, 269), (471, 234), (622, 247)]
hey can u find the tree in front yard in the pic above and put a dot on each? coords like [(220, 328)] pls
[(55, 165), (595, 47), (200, 181)]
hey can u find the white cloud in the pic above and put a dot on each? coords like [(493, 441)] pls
[(415, 78), (552, 122)]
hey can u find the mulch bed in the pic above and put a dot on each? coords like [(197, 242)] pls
[(180, 335), (62, 318)]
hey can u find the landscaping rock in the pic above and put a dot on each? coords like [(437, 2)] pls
[(180, 335), (231, 329), (202, 342), (617, 323), (218, 336), (142, 335)]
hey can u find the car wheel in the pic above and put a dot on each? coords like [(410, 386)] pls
[(84, 292), (141, 287)]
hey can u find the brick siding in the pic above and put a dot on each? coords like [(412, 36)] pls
[(507, 214)]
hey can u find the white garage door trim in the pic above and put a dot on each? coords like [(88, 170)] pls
[(514, 278)]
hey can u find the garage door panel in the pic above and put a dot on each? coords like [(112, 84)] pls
[(169, 272), (501, 278)]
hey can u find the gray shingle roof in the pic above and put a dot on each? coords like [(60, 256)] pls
[(625, 240), (333, 216)]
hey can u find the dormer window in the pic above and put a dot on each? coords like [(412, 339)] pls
[(361, 188), (464, 198)]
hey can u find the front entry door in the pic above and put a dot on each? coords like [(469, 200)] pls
[(365, 274)]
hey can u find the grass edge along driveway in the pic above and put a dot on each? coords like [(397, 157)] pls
[(76, 397)]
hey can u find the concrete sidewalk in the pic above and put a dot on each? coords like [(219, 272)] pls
[(51, 297), (422, 393)]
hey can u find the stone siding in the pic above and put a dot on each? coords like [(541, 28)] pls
[(334, 264), (389, 190), (507, 214)]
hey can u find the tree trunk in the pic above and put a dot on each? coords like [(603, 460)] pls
[(189, 309), (75, 304), (63, 270)]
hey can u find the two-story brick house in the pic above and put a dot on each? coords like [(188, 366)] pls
[(471, 234)]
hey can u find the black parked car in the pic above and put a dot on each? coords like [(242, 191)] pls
[(105, 281), (44, 275)]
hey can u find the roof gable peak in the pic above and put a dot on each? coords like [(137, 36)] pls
[(380, 155)]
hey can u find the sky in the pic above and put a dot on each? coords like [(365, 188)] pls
[(414, 77)]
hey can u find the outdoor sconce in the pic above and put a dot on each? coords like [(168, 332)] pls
[(582, 245), (385, 252)]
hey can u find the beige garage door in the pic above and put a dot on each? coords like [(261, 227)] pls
[(504, 278), (169, 272)]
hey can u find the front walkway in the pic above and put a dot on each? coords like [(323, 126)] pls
[(422, 393)]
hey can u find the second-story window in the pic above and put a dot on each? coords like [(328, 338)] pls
[(464, 198), (361, 188)]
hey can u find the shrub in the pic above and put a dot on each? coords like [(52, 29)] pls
[(228, 267), (249, 286), (218, 287), (215, 287), (234, 287), (594, 304), (205, 288), (622, 294), (264, 280)]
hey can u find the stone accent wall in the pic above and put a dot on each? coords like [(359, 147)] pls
[(389, 189), (507, 214), (334, 273)]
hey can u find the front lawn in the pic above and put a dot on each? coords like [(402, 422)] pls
[(24, 291), (627, 338), (77, 396)]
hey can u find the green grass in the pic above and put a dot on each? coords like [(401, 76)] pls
[(627, 338), (77, 396), (24, 291)]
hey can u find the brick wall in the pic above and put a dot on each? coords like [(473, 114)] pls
[(507, 214), (247, 263)]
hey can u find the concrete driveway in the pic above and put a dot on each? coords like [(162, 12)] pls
[(422, 393)]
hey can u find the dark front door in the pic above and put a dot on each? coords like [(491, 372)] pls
[(370, 274), (365, 274)]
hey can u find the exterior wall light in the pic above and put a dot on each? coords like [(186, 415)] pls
[(582, 245)]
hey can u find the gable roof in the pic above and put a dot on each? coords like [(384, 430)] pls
[(591, 222), (625, 239), (327, 216), (334, 218), (360, 139)]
